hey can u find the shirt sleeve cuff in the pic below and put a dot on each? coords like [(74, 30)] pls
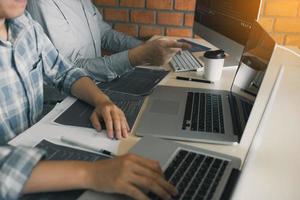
[(122, 63), (135, 42), (106, 68), (74, 75), (16, 170)]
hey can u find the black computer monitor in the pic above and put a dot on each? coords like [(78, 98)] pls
[(226, 24)]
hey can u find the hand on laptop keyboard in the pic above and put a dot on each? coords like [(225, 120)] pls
[(126, 175)]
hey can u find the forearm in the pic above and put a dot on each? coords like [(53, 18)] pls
[(117, 41), (57, 176), (106, 68), (86, 90)]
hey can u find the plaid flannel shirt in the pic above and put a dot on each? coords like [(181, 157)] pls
[(27, 60)]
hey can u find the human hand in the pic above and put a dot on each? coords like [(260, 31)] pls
[(156, 52), (114, 118), (128, 175)]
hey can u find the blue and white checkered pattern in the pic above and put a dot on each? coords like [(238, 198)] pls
[(16, 165), (27, 60)]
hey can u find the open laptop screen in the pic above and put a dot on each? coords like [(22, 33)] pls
[(254, 62), (249, 76)]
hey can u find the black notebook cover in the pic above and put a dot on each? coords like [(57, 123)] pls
[(139, 82)]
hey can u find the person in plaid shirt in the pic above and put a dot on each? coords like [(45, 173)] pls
[(27, 59)]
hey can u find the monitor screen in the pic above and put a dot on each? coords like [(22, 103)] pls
[(226, 23), (249, 76)]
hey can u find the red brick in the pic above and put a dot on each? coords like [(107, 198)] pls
[(189, 20), (142, 16), (129, 29), (293, 40), (160, 4), (146, 31), (106, 2), (170, 18), (282, 8), (133, 3), (287, 25), (111, 14), (180, 32), (186, 5)]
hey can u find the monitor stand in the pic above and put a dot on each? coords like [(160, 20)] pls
[(231, 61)]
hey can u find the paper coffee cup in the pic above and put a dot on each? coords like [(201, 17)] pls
[(213, 65)]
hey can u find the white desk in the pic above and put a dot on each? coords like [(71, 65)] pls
[(271, 170)]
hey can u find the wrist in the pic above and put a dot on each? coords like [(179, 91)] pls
[(101, 99), (135, 56)]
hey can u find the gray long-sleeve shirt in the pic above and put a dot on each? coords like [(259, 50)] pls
[(78, 31)]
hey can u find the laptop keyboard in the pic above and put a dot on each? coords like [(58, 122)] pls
[(185, 62), (203, 112), (195, 175)]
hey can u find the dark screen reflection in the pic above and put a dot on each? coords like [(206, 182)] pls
[(231, 18), (255, 60)]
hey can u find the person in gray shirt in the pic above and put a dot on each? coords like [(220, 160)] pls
[(78, 31)]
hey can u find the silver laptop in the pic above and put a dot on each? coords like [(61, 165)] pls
[(196, 173), (213, 116)]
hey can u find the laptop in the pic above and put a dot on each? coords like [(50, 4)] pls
[(196, 173), (214, 116)]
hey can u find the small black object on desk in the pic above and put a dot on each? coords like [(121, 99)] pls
[(193, 79)]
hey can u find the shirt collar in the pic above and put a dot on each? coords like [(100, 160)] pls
[(16, 26)]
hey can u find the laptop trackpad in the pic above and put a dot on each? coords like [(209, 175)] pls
[(165, 107)]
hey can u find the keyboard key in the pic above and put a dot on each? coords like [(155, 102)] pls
[(188, 110), (195, 112)]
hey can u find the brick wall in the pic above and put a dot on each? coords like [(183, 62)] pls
[(282, 19), (144, 18)]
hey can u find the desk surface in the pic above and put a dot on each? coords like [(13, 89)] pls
[(33, 135), (272, 168)]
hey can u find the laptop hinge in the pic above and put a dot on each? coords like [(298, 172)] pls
[(227, 192), (236, 121)]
